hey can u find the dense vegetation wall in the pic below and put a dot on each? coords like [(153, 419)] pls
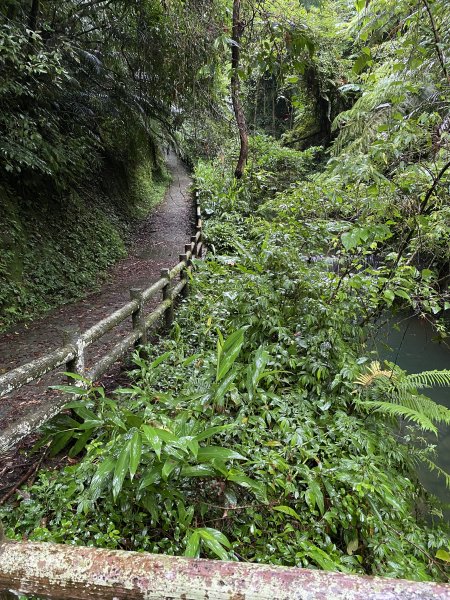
[(54, 246)]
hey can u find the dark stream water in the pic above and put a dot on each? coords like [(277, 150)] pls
[(412, 346)]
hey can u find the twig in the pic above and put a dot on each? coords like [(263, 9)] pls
[(30, 473), (419, 548)]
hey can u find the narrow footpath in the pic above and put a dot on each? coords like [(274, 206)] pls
[(156, 244)]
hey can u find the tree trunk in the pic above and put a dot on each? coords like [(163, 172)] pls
[(33, 17), (235, 88)]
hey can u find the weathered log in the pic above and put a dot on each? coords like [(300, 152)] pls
[(113, 355), (99, 329), (76, 572), (30, 422), (137, 316), (35, 369), (177, 269), (157, 313), (168, 314), (184, 275), (177, 289), (194, 246), (76, 365), (153, 289)]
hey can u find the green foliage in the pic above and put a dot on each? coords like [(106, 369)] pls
[(76, 242), (243, 438), (395, 393), (88, 94)]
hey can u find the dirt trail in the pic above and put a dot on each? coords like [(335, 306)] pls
[(156, 244)]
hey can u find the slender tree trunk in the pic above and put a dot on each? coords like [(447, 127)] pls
[(437, 40), (33, 16), (236, 87)]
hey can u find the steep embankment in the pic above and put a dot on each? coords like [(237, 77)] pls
[(55, 246)]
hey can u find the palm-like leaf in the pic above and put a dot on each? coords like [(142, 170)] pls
[(395, 393)]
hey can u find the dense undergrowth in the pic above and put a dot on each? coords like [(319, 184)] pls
[(261, 431), (265, 429)]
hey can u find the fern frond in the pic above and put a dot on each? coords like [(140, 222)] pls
[(429, 378), (374, 371), (440, 472), (420, 403), (400, 411)]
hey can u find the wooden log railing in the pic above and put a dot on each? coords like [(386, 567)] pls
[(86, 573), (71, 355)]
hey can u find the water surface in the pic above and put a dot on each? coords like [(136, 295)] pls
[(410, 342)]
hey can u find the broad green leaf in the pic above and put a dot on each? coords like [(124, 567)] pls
[(198, 471), (190, 359), (159, 360), (223, 387), (151, 435), (80, 444), (120, 470), (193, 546), (389, 295), (135, 453), (150, 477), (443, 555), (214, 534), (361, 62), (60, 441), (192, 444), (257, 487), (321, 558), (216, 452), (227, 353), (403, 294), (214, 545), (316, 492), (287, 510), (168, 467), (352, 546), (88, 425), (104, 470), (349, 240), (207, 433), (149, 502), (426, 274), (256, 369)]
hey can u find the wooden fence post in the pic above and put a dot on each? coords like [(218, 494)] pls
[(194, 250), (200, 241), (184, 275), (137, 316), (168, 313), (72, 337)]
